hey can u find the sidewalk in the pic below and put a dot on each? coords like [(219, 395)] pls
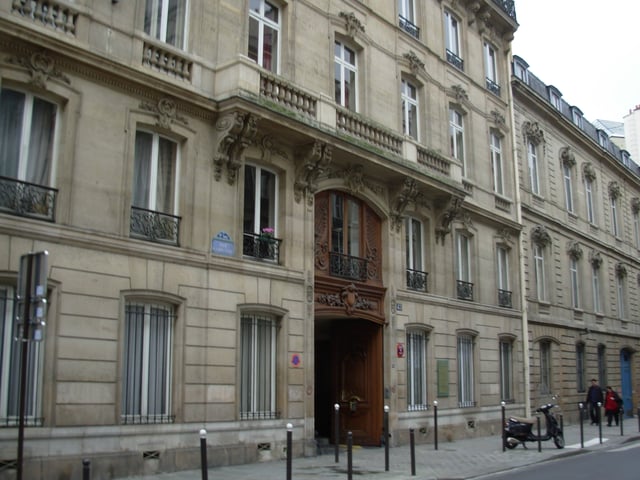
[(460, 459)]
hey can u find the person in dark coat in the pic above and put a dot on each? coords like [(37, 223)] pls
[(594, 396), (612, 403)]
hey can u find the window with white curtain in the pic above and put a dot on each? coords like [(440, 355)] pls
[(588, 193), (147, 363), (264, 34), (27, 137), (452, 40), (155, 173), (414, 255), (620, 295), (532, 156), (260, 200), (416, 370), (574, 276), (10, 370), (636, 229), (466, 390), (258, 367), (166, 20), (456, 137), (595, 286), (495, 148), (614, 216), (538, 265), (506, 370), (409, 95), (345, 76), (568, 189)]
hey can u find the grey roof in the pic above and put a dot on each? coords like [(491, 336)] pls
[(611, 128)]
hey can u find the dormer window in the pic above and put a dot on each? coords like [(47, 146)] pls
[(576, 116), (554, 97), (521, 69), (603, 139)]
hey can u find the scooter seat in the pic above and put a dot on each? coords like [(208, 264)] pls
[(530, 420)]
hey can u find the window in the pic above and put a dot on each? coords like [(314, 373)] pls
[(580, 368), (568, 191), (620, 291), (506, 370), (345, 76), (463, 267), (588, 193), (521, 69), (10, 372), (407, 15), (555, 98), (576, 116), (260, 214), (614, 216), (636, 228), (491, 68), (532, 157), (495, 148), (27, 132), (166, 20), (409, 109), (575, 284), (264, 34), (504, 293), (452, 40), (603, 139), (545, 367), (147, 363), (416, 277), (595, 285), (257, 367), (538, 261), (602, 364), (466, 395), (416, 370), (456, 137)]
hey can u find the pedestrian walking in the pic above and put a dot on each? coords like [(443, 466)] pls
[(594, 396), (612, 403)]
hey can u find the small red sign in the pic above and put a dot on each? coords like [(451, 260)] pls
[(400, 350), (296, 360)]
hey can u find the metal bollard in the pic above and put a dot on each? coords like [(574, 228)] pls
[(349, 456), (336, 409), (621, 417), (289, 448), (203, 454), (539, 441), (386, 438), (435, 424), (599, 416), (580, 407), (86, 469), (503, 424), (412, 445)]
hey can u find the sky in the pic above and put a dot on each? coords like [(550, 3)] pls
[(588, 49)]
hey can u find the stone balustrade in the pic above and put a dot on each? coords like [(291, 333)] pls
[(434, 162), (285, 94), (352, 124), (166, 61), (51, 13)]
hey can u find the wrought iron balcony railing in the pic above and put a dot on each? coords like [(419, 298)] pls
[(408, 26), (27, 199), (346, 266), (455, 60), (504, 298), (154, 226), (464, 290), (417, 280), (507, 6), (493, 87), (261, 246)]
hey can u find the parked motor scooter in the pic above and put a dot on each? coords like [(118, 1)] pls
[(520, 430)]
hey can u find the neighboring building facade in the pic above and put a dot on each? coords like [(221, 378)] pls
[(580, 198), (255, 210), (632, 132)]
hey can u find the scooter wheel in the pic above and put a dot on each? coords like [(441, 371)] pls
[(510, 444), (559, 440)]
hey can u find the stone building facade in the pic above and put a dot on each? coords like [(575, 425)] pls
[(580, 235)]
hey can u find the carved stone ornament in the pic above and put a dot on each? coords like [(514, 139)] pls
[(353, 25), (574, 250), (533, 132), (166, 112), (460, 93), (505, 236), (408, 193), (635, 205), (234, 132), (614, 190), (498, 119), (315, 160), (567, 157), (41, 67), (269, 147), (415, 64), (589, 172), (448, 215), (621, 270), (595, 259), (355, 179), (349, 298), (540, 236)]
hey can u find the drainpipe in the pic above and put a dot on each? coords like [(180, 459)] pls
[(526, 366)]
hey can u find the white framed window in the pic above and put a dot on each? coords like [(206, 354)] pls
[(588, 194), (555, 99), (452, 39), (545, 367), (264, 34), (539, 272), (521, 69), (574, 277), (416, 370), (410, 109), (595, 287), (603, 139), (406, 9), (568, 189), (416, 276), (345, 75), (466, 390), (506, 370), (495, 149), (620, 295), (614, 216), (491, 68), (260, 200), (464, 285), (147, 363), (532, 160), (10, 372), (504, 291), (27, 137), (456, 136), (258, 344), (636, 229), (577, 117), (166, 20)]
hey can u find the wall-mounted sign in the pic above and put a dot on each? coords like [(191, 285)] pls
[(222, 244), (296, 360), (400, 350)]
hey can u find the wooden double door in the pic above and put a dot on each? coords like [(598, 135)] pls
[(349, 373)]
